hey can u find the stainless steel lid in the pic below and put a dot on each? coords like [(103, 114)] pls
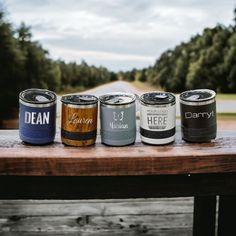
[(78, 99), (117, 98), (157, 98), (198, 95), (37, 96)]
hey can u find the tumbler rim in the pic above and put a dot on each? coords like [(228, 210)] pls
[(212, 94), (168, 99), (79, 99), (23, 96), (103, 100)]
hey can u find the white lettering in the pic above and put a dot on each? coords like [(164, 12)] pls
[(118, 125), (194, 115), (46, 116), (74, 120), (33, 114), (39, 119), (27, 117), (117, 118), (35, 118), (188, 115)]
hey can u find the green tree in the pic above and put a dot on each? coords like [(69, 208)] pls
[(230, 65), (23, 33), (206, 60), (113, 76), (142, 76), (11, 68), (39, 71), (130, 76)]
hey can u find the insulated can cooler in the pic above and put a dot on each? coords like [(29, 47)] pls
[(198, 115), (37, 116), (118, 119), (79, 120), (157, 118)]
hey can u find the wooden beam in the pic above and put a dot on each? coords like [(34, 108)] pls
[(219, 156), (38, 187)]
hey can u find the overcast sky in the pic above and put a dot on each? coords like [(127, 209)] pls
[(118, 34)]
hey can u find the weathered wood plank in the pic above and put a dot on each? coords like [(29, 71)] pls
[(95, 207), (97, 217), (219, 156), (83, 223), (166, 232)]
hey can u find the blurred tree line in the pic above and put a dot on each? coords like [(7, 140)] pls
[(26, 64), (205, 61)]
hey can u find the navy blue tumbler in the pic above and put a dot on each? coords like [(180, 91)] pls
[(37, 121)]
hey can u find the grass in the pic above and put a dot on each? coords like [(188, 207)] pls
[(226, 116), (145, 86), (69, 90), (223, 96)]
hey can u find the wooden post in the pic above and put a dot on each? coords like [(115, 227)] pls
[(204, 216), (226, 219)]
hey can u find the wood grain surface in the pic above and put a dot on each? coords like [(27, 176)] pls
[(79, 120), (95, 217), (16, 158)]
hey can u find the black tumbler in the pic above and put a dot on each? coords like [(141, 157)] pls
[(198, 115)]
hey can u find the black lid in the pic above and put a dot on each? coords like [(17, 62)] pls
[(37, 96), (197, 95), (117, 98), (157, 98), (78, 99)]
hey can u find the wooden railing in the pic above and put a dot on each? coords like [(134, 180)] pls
[(180, 169)]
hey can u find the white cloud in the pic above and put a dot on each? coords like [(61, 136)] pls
[(75, 55), (130, 33)]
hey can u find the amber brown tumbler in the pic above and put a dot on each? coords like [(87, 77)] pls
[(79, 120)]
